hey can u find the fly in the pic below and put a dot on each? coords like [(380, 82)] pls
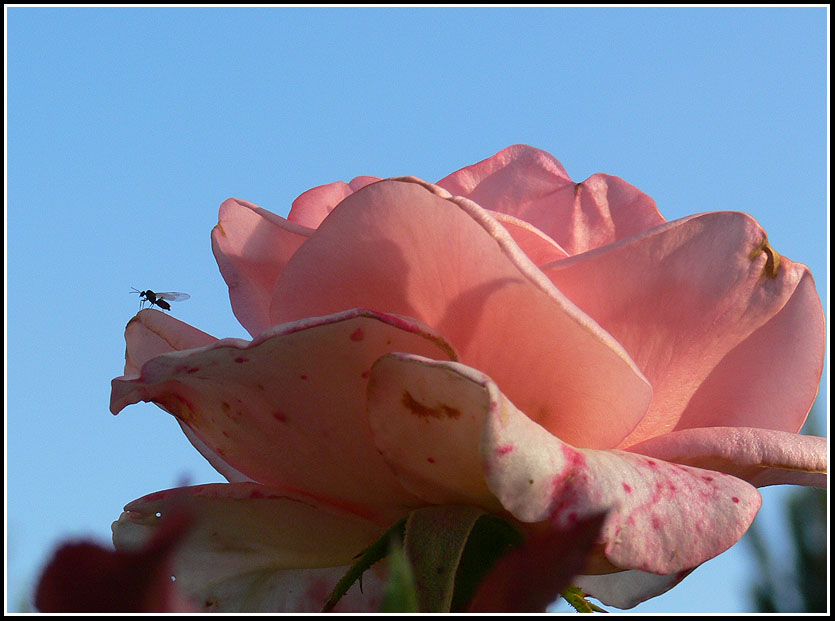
[(152, 297)]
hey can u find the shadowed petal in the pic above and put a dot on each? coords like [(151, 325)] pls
[(288, 409), (255, 549), (151, 333), (400, 246), (530, 184)]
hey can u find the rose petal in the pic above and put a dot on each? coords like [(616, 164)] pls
[(152, 332), (540, 248), (426, 424), (251, 246), (299, 387), (400, 247), (313, 206), (530, 184), (249, 545), (627, 589), (760, 456), (664, 517), (722, 338)]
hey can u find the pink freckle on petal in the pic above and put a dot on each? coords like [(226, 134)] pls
[(651, 463), (256, 494), (357, 335), (627, 487), (504, 449), (431, 460), (304, 377), (280, 417), (656, 522), (365, 374), (240, 359), (735, 499), (708, 479)]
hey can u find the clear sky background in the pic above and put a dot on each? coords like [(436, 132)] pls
[(127, 127)]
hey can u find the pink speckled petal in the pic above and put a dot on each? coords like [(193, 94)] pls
[(627, 589), (251, 246), (530, 184), (760, 456), (310, 208), (288, 409), (540, 248), (426, 417), (255, 549), (151, 333), (665, 518), (728, 333), (403, 246)]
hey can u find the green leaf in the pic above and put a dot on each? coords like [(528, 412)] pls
[(367, 558)]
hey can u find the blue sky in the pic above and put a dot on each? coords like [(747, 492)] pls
[(127, 127)]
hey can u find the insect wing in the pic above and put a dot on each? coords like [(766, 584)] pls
[(173, 296)]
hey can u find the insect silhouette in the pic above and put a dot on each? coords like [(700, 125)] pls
[(152, 297)]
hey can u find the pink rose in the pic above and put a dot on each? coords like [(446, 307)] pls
[(505, 338)]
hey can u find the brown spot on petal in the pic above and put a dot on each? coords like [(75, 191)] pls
[(772, 260), (423, 411)]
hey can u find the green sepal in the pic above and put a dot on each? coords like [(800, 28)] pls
[(434, 541), (400, 592)]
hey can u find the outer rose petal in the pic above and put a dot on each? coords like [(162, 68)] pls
[(727, 332), (760, 456), (627, 589), (664, 517), (252, 548), (300, 387), (400, 246), (251, 246), (151, 333), (310, 208), (530, 184)]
